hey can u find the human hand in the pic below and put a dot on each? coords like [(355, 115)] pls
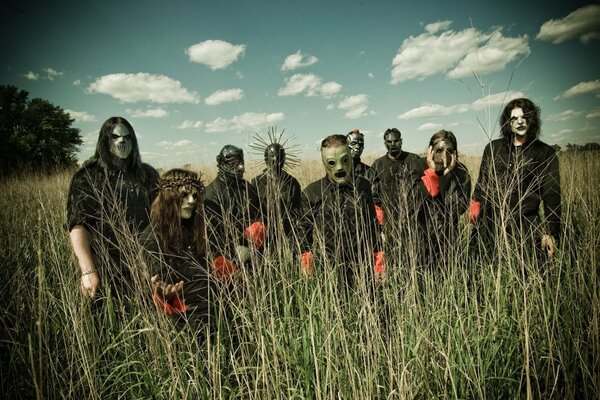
[(90, 282), (548, 245), (453, 163), (430, 163), (163, 290)]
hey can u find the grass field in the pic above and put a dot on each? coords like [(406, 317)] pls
[(500, 329)]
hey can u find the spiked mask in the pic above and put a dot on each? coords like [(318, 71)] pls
[(275, 157)]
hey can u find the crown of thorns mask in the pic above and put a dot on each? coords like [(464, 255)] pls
[(176, 183)]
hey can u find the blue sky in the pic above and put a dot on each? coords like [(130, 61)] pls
[(192, 76)]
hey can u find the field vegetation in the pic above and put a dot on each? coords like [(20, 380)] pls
[(500, 328)]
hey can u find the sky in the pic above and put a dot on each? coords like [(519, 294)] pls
[(193, 76)]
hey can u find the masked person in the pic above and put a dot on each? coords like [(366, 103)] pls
[(177, 251), (279, 194), (338, 217), (236, 202), (108, 203), (518, 174), (356, 143), (441, 192)]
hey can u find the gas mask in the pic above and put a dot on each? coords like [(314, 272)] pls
[(356, 143), (120, 141), (337, 162), (393, 144), (189, 198), (442, 154), (275, 157), (230, 162)]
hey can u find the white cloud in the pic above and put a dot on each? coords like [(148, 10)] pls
[(51, 74), (371, 75), (583, 23), (330, 89), (355, 106), (428, 110), (244, 122), (81, 116), (142, 86), (563, 116), (215, 54), (310, 85), (187, 124), (148, 113), (461, 53), (593, 114), (77, 82), (168, 145), (581, 88), (565, 131), (32, 76), (437, 26), (430, 126), (224, 96), (298, 60)]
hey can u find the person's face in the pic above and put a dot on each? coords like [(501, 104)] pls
[(442, 154), (120, 141), (393, 144), (275, 158), (189, 198), (518, 122), (337, 162), (356, 143)]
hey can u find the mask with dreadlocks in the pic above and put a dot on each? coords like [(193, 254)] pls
[(230, 162)]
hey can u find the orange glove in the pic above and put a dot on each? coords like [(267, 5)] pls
[(431, 181), (307, 263), (379, 214), (171, 307), (474, 210), (256, 233), (223, 268), (379, 261)]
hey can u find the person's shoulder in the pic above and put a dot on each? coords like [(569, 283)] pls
[(411, 156), (315, 187), (379, 161)]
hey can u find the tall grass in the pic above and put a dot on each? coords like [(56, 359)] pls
[(500, 328)]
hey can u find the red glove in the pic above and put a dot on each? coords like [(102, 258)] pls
[(474, 210), (379, 214), (379, 261), (223, 268), (307, 263), (256, 233), (431, 181), (171, 307)]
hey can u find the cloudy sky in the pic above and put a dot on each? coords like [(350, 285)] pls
[(192, 76)]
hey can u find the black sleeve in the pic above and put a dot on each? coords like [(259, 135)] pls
[(81, 204), (457, 191), (551, 193), (310, 203), (483, 178)]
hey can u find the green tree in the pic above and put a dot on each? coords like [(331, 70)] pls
[(34, 133)]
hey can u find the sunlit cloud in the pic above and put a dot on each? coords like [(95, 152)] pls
[(215, 54), (32, 76), (309, 85), (430, 126), (187, 124), (81, 116), (51, 73), (142, 86), (148, 113), (244, 122), (224, 96), (583, 23), (298, 60), (563, 116), (455, 53), (355, 106), (429, 110), (168, 145), (581, 88)]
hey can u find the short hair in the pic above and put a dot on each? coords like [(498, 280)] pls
[(531, 113), (444, 135), (334, 141), (165, 212), (391, 130)]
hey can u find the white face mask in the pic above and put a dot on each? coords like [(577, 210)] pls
[(189, 198), (120, 142), (337, 162), (518, 122)]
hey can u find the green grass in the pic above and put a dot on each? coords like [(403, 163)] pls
[(496, 329)]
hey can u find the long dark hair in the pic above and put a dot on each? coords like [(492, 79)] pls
[(104, 157), (531, 113), (445, 135), (165, 213)]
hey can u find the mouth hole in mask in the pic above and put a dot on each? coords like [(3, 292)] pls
[(340, 174)]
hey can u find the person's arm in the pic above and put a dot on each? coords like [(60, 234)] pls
[(551, 194), (80, 240), (482, 180)]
